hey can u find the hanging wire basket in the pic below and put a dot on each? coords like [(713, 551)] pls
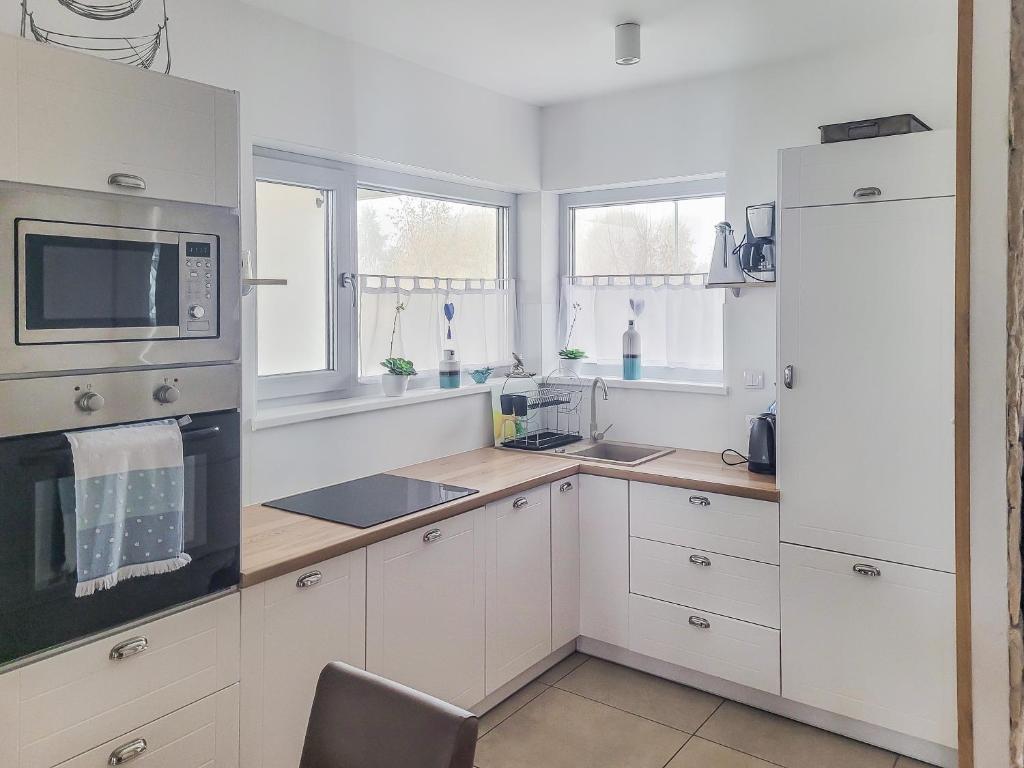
[(102, 11)]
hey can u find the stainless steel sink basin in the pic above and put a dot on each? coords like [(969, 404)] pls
[(626, 454)]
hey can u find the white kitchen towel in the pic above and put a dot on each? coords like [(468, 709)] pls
[(129, 503)]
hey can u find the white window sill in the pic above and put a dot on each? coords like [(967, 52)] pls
[(280, 416), (660, 385)]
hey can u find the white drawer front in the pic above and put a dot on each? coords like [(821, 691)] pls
[(729, 525), (201, 735), (531, 499), (890, 168), (875, 648), (706, 642), (77, 699), (742, 589)]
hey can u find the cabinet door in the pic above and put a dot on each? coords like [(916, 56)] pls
[(878, 648), (9, 717), (604, 559), (82, 120), (293, 626), (866, 432), (518, 531), (565, 561), (425, 609), (9, 114)]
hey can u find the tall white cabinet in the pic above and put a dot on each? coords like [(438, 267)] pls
[(866, 431)]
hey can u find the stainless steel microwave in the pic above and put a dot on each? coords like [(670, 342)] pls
[(97, 281)]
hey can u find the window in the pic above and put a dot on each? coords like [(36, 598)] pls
[(354, 244), (642, 254)]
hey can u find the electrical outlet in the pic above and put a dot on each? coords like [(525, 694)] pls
[(753, 379)]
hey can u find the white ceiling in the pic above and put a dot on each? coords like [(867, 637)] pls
[(546, 51)]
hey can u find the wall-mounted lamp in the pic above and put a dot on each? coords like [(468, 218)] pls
[(627, 43)]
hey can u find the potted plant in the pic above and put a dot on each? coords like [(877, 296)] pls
[(397, 370), (572, 357)]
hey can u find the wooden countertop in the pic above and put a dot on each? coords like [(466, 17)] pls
[(275, 542)]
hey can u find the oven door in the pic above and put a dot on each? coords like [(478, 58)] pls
[(38, 607)]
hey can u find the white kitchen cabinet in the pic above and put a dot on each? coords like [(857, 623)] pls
[(425, 608), (293, 626), (80, 120), (565, 561), (604, 559), (878, 648), (518, 599), (866, 431), (8, 115), (10, 707)]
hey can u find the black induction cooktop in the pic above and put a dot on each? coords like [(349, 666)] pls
[(371, 500)]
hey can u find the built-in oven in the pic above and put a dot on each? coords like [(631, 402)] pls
[(38, 608), (91, 280)]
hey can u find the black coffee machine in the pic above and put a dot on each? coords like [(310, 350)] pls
[(761, 453)]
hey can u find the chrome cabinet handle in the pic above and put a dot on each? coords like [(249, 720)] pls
[(432, 535), (863, 569), (132, 647), (250, 281), (699, 622), (310, 579), (700, 501), (565, 487), (863, 192), (126, 180), (788, 374), (521, 502), (700, 560), (128, 752)]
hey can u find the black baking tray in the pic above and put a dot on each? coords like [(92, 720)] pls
[(894, 125)]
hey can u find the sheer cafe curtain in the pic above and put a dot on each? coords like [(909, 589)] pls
[(482, 327), (679, 320)]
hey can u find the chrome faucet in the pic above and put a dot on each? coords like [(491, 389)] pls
[(594, 434)]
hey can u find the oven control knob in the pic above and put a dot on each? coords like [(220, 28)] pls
[(196, 312), (90, 401), (168, 393)]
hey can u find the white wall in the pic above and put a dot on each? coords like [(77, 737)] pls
[(734, 123)]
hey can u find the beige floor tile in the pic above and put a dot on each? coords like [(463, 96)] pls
[(788, 743), (510, 706), (652, 697), (699, 753), (909, 762), (562, 668), (561, 730)]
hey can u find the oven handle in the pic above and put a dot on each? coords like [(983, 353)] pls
[(202, 433)]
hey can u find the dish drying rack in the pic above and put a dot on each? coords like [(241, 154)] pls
[(539, 416)]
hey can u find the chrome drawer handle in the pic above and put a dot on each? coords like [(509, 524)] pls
[(132, 647), (863, 569), (700, 560), (126, 180), (521, 502), (700, 501), (310, 579), (432, 535), (565, 487), (867, 192), (128, 752), (700, 622)]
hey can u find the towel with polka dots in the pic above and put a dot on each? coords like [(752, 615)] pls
[(129, 503)]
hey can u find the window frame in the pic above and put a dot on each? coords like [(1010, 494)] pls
[(712, 185)]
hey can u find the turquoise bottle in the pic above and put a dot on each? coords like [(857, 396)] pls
[(631, 367)]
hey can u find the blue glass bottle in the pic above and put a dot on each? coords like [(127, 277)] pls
[(632, 369)]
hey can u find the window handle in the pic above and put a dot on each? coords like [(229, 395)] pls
[(249, 282), (349, 280)]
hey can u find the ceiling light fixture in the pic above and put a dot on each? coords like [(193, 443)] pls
[(627, 43)]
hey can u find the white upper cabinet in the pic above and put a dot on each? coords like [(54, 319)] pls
[(294, 626), (518, 581), (565, 561), (872, 170), (425, 608), (604, 559), (77, 121), (866, 322)]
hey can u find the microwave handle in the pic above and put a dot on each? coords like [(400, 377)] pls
[(249, 282)]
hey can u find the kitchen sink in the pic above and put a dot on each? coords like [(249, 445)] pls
[(627, 454)]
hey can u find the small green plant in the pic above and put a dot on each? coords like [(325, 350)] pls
[(397, 366), (571, 354), (567, 352)]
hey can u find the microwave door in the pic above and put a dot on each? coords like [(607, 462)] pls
[(83, 283)]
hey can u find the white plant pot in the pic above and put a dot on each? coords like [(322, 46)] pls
[(574, 365), (393, 385)]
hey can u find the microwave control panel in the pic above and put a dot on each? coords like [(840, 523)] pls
[(200, 287)]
